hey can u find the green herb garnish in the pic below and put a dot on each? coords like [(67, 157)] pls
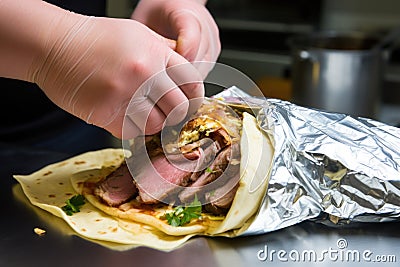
[(183, 215), (73, 204), (209, 170)]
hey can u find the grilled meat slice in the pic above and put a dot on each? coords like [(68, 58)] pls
[(160, 179), (217, 170), (220, 200), (117, 188)]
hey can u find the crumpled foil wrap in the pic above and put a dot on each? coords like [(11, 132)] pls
[(327, 167)]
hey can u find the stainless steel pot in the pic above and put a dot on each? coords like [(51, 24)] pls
[(337, 72)]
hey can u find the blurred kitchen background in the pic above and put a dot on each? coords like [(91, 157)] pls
[(254, 36)]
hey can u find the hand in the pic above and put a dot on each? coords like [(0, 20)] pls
[(188, 22), (92, 67)]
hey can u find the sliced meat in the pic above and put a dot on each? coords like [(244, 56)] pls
[(218, 169), (194, 154), (117, 188), (207, 156), (159, 176), (221, 137), (220, 200), (160, 179), (177, 169), (199, 158)]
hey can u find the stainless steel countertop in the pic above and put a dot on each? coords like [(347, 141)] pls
[(20, 246)]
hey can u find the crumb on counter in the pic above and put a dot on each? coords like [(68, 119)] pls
[(39, 231)]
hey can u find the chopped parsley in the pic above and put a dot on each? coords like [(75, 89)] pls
[(209, 170), (73, 204), (180, 216)]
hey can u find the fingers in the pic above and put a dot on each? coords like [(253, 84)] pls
[(164, 98), (189, 35), (198, 39), (144, 115), (189, 79), (178, 90), (168, 97)]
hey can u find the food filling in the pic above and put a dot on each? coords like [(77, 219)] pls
[(201, 166)]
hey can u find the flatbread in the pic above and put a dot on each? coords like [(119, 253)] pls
[(51, 186), (256, 161), (59, 225)]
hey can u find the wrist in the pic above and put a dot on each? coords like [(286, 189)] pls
[(53, 38), (20, 24), (26, 29)]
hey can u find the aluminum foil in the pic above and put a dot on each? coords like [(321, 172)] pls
[(327, 167)]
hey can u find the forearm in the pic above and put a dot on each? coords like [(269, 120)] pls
[(26, 29)]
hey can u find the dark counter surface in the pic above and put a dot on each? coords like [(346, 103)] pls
[(307, 243)]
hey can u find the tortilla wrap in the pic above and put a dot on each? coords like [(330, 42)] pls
[(51, 186)]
